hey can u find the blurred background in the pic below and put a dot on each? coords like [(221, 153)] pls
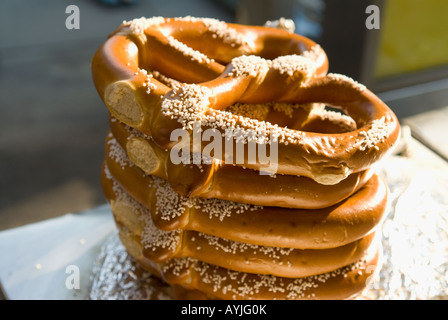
[(53, 124)]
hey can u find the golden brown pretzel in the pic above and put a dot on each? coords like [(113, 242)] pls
[(295, 74), (217, 282), (160, 246), (126, 60), (229, 182), (330, 227)]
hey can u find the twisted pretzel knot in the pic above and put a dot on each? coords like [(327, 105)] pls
[(220, 64), (161, 74)]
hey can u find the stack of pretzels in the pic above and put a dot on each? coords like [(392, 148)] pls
[(216, 228)]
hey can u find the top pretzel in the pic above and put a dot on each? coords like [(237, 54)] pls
[(217, 64)]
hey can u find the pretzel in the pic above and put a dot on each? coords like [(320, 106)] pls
[(234, 183), (181, 293), (160, 246), (334, 226), (225, 63), (212, 282)]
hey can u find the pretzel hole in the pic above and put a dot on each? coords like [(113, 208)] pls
[(121, 100), (312, 117), (329, 120)]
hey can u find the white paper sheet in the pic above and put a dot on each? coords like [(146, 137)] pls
[(37, 260)]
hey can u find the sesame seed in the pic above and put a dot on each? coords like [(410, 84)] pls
[(188, 51)]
